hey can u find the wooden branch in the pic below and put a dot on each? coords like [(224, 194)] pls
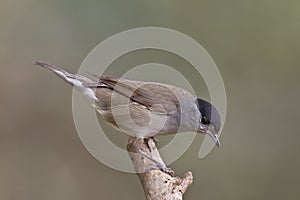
[(158, 181)]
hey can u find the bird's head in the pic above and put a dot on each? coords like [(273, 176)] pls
[(210, 121)]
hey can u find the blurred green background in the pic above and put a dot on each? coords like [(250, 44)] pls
[(255, 44)]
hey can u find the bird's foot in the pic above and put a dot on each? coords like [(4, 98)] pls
[(168, 170), (164, 169)]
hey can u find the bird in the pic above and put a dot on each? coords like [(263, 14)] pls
[(145, 109)]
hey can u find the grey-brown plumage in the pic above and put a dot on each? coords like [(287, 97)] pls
[(145, 109)]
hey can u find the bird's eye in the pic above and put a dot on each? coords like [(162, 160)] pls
[(204, 120)]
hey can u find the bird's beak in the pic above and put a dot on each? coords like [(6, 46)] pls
[(215, 137), (208, 130)]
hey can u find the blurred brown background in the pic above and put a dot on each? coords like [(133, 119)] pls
[(255, 45)]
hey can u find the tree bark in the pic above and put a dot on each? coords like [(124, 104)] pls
[(158, 181)]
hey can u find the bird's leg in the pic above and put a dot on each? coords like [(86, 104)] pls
[(147, 149), (159, 165)]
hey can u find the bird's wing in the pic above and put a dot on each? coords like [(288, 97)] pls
[(158, 98)]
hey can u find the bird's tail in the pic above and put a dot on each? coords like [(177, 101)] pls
[(83, 84)]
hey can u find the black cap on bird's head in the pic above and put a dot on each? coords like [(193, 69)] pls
[(210, 122)]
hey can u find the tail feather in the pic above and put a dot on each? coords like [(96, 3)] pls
[(80, 82)]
